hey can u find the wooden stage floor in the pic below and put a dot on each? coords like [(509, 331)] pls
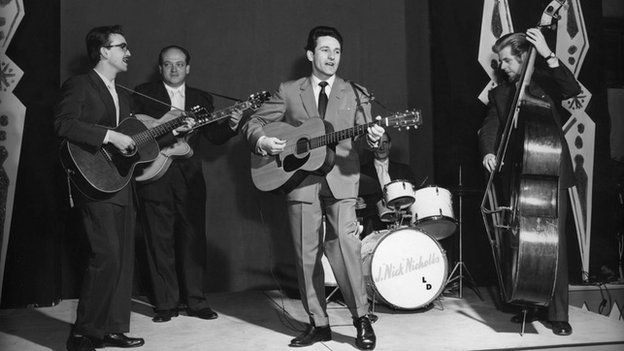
[(257, 320)]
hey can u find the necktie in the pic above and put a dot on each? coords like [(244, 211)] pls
[(322, 100)]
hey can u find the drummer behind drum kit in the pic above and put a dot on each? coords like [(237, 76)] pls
[(404, 266)]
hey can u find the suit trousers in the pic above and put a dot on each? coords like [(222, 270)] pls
[(340, 244), (175, 238), (558, 307), (105, 296)]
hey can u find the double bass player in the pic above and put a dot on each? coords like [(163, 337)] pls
[(551, 82)]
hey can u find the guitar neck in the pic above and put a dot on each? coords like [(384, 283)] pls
[(207, 118), (201, 119), (335, 137)]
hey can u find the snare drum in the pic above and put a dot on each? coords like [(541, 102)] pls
[(399, 194), (403, 268), (432, 211)]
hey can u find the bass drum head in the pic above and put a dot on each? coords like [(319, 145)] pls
[(404, 268)]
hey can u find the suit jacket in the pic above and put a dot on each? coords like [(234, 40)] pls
[(396, 171), (84, 114), (217, 133), (294, 103), (551, 84)]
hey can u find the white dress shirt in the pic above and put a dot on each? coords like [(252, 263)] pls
[(382, 171), (177, 96)]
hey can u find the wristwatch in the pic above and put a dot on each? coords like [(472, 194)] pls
[(551, 56)]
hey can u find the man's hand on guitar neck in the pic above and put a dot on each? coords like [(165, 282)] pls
[(373, 134), (270, 145), (188, 125), (235, 117), (122, 142)]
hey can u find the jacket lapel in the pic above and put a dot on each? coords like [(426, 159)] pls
[(307, 98), (107, 99), (335, 97)]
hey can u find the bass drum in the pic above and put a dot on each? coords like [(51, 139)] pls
[(404, 268)]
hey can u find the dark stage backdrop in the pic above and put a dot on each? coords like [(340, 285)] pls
[(238, 47)]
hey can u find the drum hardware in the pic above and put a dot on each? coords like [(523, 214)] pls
[(460, 266)]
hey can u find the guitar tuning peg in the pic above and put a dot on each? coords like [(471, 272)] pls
[(407, 128)]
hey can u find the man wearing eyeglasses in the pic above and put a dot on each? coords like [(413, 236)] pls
[(171, 208), (89, 106)]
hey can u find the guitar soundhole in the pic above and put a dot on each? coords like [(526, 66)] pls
[(303, 146)]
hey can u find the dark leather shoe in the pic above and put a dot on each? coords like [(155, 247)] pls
[(120, 340), (204, 313), (164, 315), (77, 342), (366, 338), (311, 335), (561, 328)]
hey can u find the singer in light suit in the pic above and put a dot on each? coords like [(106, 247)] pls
[(333, 194)]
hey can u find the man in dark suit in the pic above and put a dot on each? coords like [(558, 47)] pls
[(382, 171), (323, 95), (552, 83), (172, 207), (88, 107)]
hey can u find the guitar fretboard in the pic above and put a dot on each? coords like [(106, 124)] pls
[(201, 118), (335, 137)]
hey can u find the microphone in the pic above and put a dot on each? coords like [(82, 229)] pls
[(370, 95)]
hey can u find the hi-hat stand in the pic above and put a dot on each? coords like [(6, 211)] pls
[(460, 266)]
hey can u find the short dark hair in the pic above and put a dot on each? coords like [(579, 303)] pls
[(184, 51), (99, 37), (516, 41), (322, 31)]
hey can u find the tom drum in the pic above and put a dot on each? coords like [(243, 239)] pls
[(432, 211)]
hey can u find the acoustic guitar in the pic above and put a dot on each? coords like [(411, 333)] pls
[(100, 172), (154, 170), (308, 149)]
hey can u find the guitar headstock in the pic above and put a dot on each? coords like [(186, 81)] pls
[(407, 119), (257, 99)]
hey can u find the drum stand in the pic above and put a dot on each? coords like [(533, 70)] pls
[(460, 266)]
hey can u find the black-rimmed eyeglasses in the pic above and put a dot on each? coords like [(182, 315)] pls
[(122, 46)]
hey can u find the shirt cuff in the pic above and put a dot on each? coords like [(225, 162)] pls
[(106, 137)]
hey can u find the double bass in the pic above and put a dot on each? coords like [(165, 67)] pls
[(519, 207)]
